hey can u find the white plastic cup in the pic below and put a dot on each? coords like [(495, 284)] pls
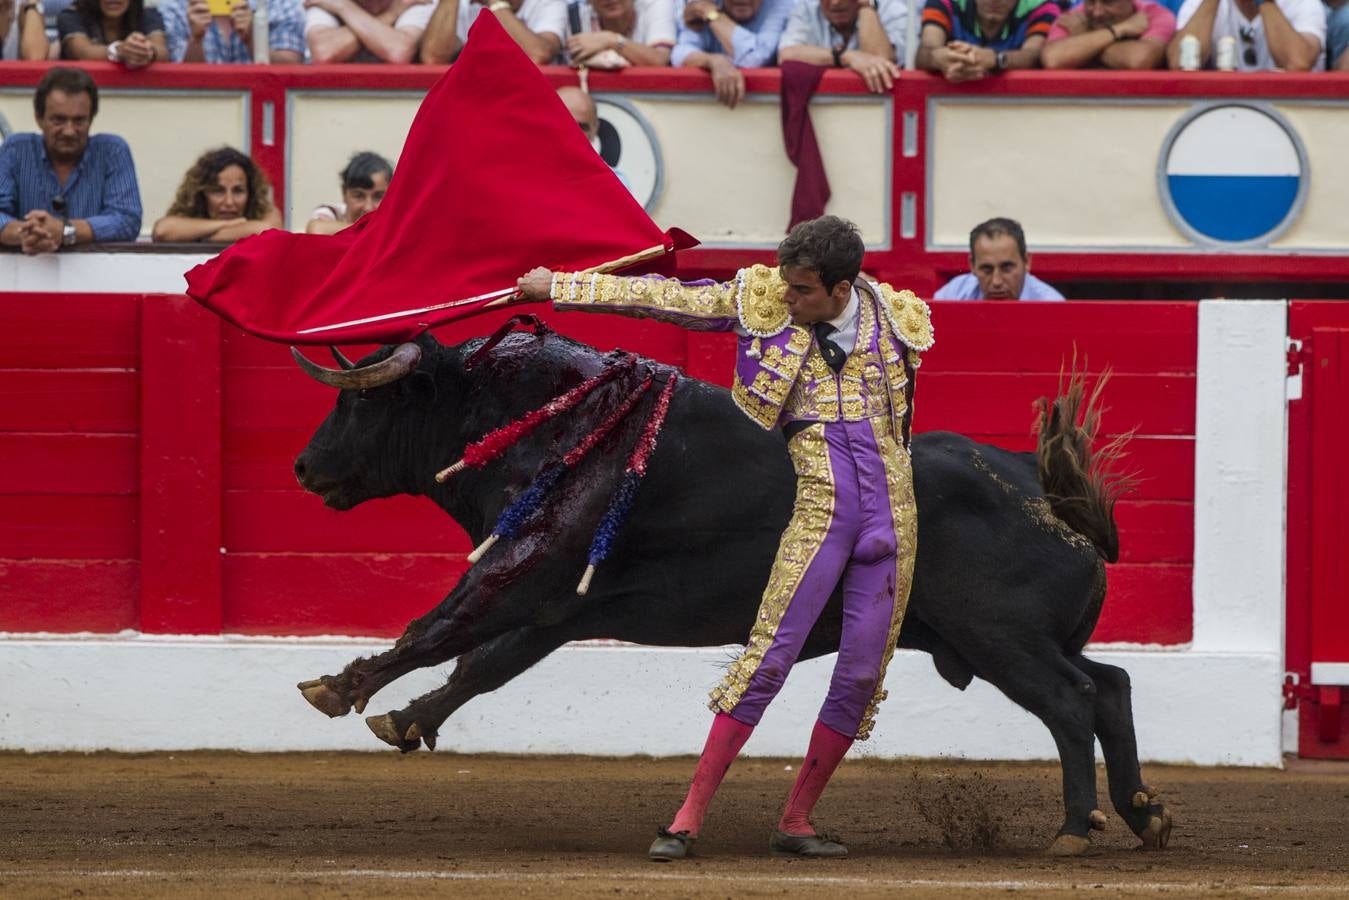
[(1227, 54), (1189, 53)]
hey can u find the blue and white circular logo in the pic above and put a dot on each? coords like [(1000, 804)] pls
[(1232, 173), (628, 144)]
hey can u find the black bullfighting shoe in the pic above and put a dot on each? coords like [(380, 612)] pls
[(806, 846), (670, 845)]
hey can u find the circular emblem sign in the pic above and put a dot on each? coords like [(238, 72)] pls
[(1232, 174), (629, 146)]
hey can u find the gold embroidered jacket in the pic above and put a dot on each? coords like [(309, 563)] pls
[(778, 369)]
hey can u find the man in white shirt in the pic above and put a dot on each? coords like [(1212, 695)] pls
[(999, 267), (1270, 34), (866, 36), (538, 26), (358, 31)]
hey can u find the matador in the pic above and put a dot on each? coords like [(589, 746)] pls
[(829, 358)]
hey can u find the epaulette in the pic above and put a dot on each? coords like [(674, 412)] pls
[(909, 317), (761, 301)]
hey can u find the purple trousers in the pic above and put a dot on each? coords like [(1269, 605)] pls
[(855, 520)]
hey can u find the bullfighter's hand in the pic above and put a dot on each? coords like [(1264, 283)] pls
[(536, 285), (877, 71)]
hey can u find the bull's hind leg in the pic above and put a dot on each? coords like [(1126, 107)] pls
[(1115, 728), (1062, 697), (479, 671)]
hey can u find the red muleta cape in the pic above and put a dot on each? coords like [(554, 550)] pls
[(495, 178)]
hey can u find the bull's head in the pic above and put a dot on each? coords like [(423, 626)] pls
[(356, 454)]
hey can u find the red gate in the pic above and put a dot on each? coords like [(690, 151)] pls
[(1318, 495)]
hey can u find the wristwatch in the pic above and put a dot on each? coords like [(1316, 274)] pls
[(112, 51), (68, 235), (838, 56), (499, 5), (27, 6), (712, 16), (1000, 60)]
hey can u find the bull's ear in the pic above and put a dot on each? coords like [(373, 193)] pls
[(418, 389)]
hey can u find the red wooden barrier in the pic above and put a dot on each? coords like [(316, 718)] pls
[(147, 478), (1318, 494)]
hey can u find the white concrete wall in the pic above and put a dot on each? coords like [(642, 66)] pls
[(1216, 701), (99, 273)]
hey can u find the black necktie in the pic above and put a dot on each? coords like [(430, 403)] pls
[(833, 354)]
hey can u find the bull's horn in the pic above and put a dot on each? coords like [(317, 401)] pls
[(341, 359), (402, 361)]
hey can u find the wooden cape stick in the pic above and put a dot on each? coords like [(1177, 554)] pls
[(493, 298)]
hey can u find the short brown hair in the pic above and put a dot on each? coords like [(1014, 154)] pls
[(996, 228), (829, 246), (67, 80)]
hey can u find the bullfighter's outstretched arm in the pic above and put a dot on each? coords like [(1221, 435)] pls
[(698, 305)]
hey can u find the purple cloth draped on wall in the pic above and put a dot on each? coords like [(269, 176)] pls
[(799, 82)]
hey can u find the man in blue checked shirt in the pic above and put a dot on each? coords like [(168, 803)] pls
[(728, 37), (195, 35), (63, 187)]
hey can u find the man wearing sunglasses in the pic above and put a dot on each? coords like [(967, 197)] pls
[(1270, 34)]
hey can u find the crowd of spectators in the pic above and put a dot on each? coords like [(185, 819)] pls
[(960, 39)]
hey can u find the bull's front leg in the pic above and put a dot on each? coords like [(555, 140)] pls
[(479, 671), (456, 625)]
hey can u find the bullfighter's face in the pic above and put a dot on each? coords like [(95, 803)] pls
[(809, 301)]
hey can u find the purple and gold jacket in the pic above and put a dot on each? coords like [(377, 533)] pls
[(780, 376)]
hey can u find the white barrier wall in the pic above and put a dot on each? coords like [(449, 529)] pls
[(1214, 702)]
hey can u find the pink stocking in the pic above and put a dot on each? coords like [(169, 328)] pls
[(723, 744), (827, 748)]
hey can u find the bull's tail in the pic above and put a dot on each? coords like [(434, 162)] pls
[(1079, 479)]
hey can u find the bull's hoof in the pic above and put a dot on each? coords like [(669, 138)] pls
[(386, 729), (1157, 834), (323, 698), (1097, 820), (1069, 845)]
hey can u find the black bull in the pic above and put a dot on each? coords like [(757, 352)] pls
[(1003, 588)]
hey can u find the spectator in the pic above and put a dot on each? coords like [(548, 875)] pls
[(122, 31), (196, 35), (739, 34), (582, 109), (1278, 34), (63, 187), (222, 198), (364, 31), (1337, 36), (611, 34), (969, 39), (538, 26), (999, 267), (364, 181), (1115, 34), (866, 36), (23, 30)]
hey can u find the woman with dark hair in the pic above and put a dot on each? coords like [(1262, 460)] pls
[(223, 197), (122, 31), (364, 181)]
